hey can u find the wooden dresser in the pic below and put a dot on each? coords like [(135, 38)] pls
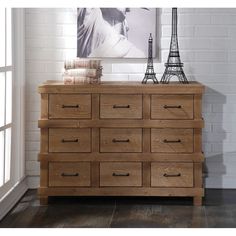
[(121, 139)]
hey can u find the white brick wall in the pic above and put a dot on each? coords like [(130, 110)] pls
[(207, 40)]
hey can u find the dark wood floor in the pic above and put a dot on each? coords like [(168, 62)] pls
[(219, 210)]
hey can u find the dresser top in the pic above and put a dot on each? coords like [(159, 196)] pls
[(122, 87)]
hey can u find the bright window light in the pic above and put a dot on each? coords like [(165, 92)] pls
[(5, 94), (9, 37), (9, 97), (2, 37), (1, 158), (2, 98), (7, 154)]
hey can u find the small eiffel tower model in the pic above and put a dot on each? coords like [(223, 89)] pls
[(150, 74), (174, 67)]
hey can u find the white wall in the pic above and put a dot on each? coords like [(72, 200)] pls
[(207, 40)]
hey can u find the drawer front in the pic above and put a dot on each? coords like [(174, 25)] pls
[(121, 106), (172, 140), (120, 140), (69, 174), (120, 174), (171, 174), (70, 106), (172, 106), (69, 140)]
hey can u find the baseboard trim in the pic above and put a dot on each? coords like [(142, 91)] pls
[(13, 197)]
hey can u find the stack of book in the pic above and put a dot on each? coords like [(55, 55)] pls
[(80, 70)]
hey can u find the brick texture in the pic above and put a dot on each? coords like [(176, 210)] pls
[(207, 46)]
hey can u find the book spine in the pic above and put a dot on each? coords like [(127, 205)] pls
[(80, 80), (92, 73), (82, 63)]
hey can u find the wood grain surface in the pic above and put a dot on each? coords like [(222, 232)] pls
[(121, 139)]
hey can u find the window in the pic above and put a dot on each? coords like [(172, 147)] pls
[(5, 94)]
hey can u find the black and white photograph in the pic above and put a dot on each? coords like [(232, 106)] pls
[(115, 32)]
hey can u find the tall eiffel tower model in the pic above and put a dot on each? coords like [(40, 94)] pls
[(150, 74), (174, 67)]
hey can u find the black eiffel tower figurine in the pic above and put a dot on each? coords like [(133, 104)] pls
[(150, 74), (174, 67)]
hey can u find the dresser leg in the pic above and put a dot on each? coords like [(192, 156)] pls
[(197, 201), (43, 200)]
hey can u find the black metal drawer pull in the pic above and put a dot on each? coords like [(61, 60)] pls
[(69, 175), (172, 141), (70, 140), (120, 174), (120, 140), (121, 106), (173, 175), (168, 106), (70, 106)]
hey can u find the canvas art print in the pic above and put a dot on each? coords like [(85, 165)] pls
[(115, 32)]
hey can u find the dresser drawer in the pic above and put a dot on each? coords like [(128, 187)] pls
[(69, 174), (172, 107), (121, 174), (121, 106), (172, 140), (69, 140), (69, 106), (171, 174), (120, 140)]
